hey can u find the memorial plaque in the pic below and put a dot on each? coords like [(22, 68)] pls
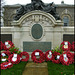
[(5, 37), (31, 46), (68, 37), (37, 31)]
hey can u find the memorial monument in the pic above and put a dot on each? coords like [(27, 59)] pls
[(36, 26), (37, 5)]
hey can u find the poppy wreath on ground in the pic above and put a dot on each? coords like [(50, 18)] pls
[(4, 56), (49, 56), (73, 55), (14, 58), (1, 45), (64, 59), (38, 56), (70, 56), (9, 65), (73, 46), (8, 45), (24, 56), (4, 53), (66, 46), (6, 65), (57, 57)]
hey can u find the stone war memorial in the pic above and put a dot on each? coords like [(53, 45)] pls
[(38, 37), (36, 26)]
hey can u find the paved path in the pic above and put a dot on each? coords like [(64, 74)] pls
[(36, 69)]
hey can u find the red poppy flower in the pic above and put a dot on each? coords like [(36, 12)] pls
[(14, 60), (38, 56), (6, 65), (26, 58), (73, 46), (5, 55), (1, 45), (70, 56), (8, 45), (66, 47), (64, 59), (57, 58), (73, 55), (6, 52), (49, 55), (9, 65)]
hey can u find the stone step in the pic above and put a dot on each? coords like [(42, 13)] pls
[(36, 69), (32, 64)]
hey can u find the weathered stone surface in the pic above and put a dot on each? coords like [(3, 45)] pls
[(52, 30), (36, 69), (8, 16), (32, 64)]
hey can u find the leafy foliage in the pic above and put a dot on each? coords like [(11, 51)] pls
[(58, 49), (14, 50)]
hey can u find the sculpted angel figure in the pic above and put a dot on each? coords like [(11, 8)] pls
[(37, 5)]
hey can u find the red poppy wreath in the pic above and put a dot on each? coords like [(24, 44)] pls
[(8, 45), (73, 55), (4, 56), (24, 56), (14, 58), (73, 46), (38, 56), (1, 45), (66, 46), (70, 56), (57, 58), (64, 59), (6, 65), (4, 53), (49, 55)]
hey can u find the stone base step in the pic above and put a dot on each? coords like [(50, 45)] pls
[(36, 69), (32, 64)]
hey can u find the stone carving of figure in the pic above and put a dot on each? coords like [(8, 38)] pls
[(35, 0), (37, 5), (19, 13)]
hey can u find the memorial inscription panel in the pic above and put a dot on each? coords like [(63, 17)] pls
[(31, 46)]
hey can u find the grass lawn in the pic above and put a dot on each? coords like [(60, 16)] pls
[(59, 69), (17, 69)]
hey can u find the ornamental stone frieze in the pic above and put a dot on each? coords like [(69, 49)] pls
[(36, 16)]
